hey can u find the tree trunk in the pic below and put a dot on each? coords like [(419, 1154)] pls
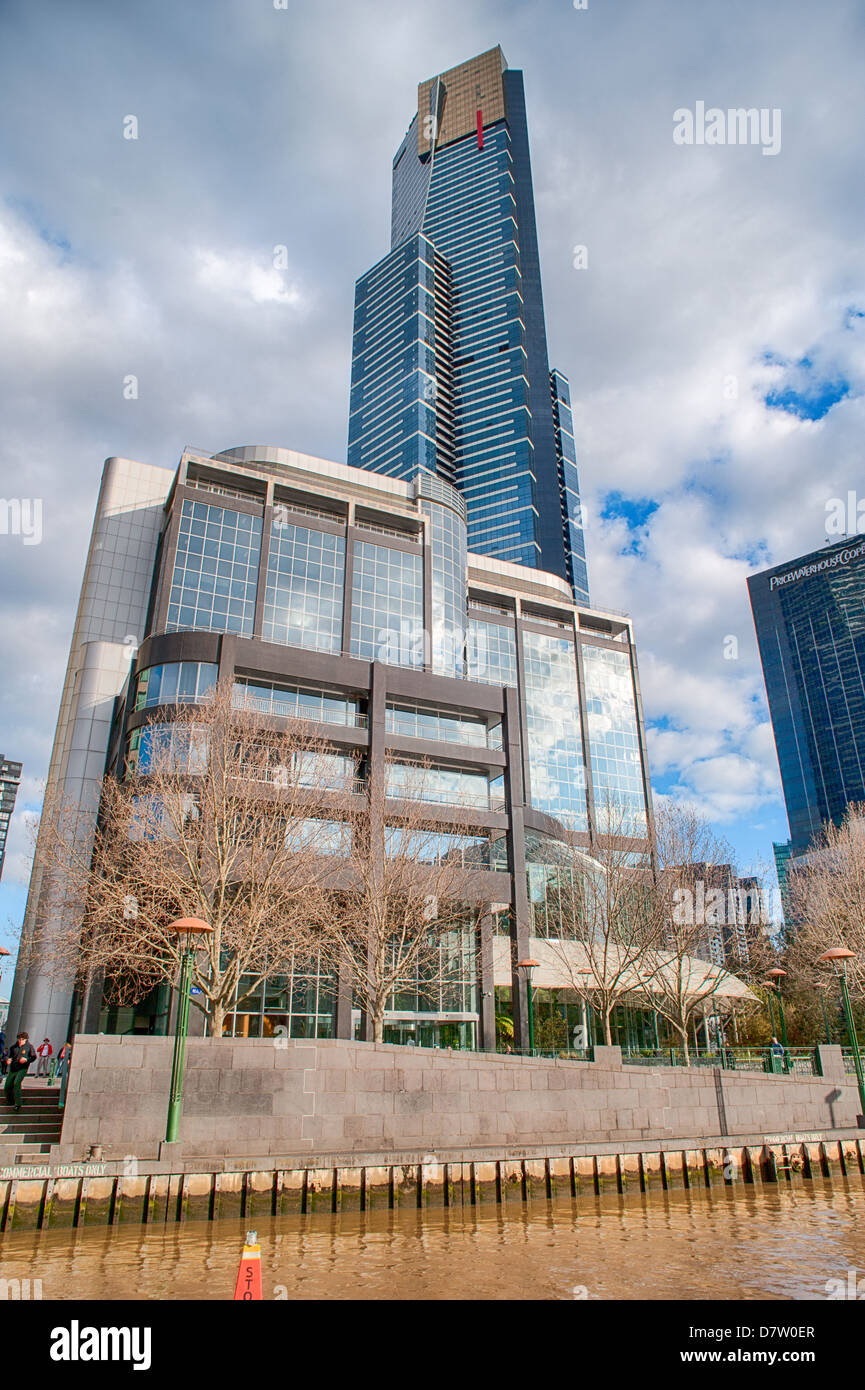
[(378, 1026), (608, 1026), (683, 1034)]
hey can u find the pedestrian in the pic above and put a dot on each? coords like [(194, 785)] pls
[(21, 1056), (777, 1048), (44, 1052)]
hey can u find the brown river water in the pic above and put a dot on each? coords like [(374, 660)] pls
[(746, 1243)]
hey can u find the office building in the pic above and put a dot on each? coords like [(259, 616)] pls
[(312, 587), (810, 619), (450, 369)]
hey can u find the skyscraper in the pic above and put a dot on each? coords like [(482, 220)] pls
[(10, 779), (449, 362), (810, 619)]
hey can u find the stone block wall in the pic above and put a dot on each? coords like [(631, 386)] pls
[(247, 1099)]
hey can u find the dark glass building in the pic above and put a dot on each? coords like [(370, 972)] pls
[(449, 361), (810, 620)]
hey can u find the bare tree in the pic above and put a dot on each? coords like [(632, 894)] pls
[(697, 902), (219, 815), (600, 916), (826, 903), (398, 920)]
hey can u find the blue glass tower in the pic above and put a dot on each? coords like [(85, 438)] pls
[(449, 363), (810, 621)]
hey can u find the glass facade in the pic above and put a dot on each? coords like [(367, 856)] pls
[(215, 577), (492, 652), (569, 487), (449, 560), (300, 1004), (556, 772), (303, 595), (488, 851), (414, 722), (445, 786), (387, 621), (166, 747), (297, 702), (810, 621), (396, 368), (614, 742), (175, 683)]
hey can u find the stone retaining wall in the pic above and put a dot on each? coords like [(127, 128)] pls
[(263, 1099)]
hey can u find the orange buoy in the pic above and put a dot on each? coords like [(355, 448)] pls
[(248, 1286)]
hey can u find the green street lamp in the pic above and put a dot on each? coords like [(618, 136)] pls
[(770, 989), (823, 985), (187, 928), (837, 957), (776, 976), (529, 965)]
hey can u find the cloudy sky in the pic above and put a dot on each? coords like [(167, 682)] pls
[(714, 338)]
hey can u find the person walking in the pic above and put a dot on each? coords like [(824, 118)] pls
[(64, 1057), (44, 1052), (21, 1056)]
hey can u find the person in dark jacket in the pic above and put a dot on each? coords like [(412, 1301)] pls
[(21, 1057)]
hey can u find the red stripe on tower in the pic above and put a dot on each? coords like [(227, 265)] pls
[(480, 130)]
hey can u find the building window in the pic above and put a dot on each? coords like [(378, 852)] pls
[(445, 786), (442, 727), (437, 847), (163, 748), (297, 702), (387, 605), (557, 774), (215, 578), (304, 591), (614, 743), (449, 560), (492, 653), (297, 1005), (175, 683)]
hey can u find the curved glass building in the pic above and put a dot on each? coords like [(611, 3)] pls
[(352, 600)]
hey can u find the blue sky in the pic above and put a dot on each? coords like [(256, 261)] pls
[(713, 339)]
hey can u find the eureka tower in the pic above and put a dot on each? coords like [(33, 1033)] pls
[(449, 362)]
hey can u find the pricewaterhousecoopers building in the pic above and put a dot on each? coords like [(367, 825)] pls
[(810, 619), (307, 584)]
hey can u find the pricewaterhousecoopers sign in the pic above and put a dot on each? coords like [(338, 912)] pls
[(843, 557)]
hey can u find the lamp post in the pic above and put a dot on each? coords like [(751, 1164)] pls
[(767, 985), (837, 957), (187, 928), (823, 985), (529, 965), (777, 975)]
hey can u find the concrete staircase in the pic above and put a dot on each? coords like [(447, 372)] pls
[(26, 1135)]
